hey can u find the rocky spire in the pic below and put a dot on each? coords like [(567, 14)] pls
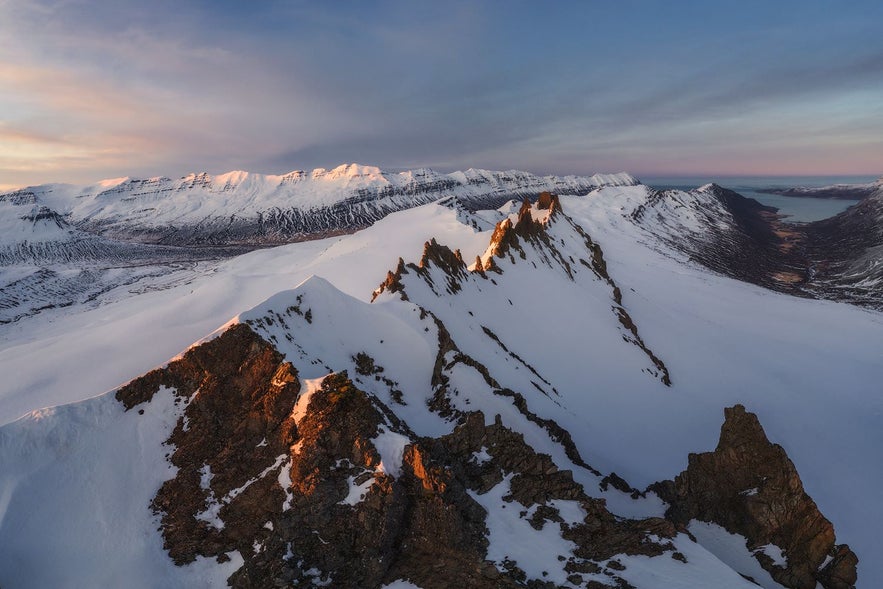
[(750, 487)]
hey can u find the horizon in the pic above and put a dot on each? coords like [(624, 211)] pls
[(109, 89)]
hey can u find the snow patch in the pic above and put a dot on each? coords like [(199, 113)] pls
[(481, 456), (391, 447), (308, 387), (732, 550), (505, 524), (356, 492), (776, 554), (284, 480)]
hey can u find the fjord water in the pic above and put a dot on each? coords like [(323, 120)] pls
[(795, 209)]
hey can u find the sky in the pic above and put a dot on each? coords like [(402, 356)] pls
[(110, 88)]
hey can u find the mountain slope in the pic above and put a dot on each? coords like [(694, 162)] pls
[(410, 437), (836, 258), (845, 252)]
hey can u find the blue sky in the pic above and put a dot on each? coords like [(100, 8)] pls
[(110, 88)]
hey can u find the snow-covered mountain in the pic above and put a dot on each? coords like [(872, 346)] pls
[(836, 191), (241, 208), (837, 258), (493, 398), (63, 245), (846, 251)]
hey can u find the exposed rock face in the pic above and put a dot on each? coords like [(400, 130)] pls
[(236, 424), (750, 487), (536, 481), (306, 500), (299, 486)]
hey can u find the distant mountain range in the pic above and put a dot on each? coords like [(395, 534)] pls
[(835, 191), (241, 208)]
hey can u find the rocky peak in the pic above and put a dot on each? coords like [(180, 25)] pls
[(393, 282), (750, 487), (436, 257), (442, 257), (529, 225), (317, 483), (548, 201), (502, 239), (535, 237)]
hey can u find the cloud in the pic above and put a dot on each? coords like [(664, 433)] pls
[(94, 89)]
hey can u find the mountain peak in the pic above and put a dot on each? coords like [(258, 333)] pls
[(749, 486), (352, 170)]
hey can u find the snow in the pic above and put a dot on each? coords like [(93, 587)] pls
[(62, 469), (125, 204), (308, 387), (390, 446), (504, 523), (814, 369), (481, 456), (701, 571), (407, 354), (143, 332), (284, 480), (809, 369), (400, 584), (731, 549), (776, 554), (356, 492)]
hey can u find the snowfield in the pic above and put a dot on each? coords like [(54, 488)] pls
[(811, 370)]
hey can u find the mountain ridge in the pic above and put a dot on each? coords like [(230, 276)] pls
[(318, 439), (241, 208)]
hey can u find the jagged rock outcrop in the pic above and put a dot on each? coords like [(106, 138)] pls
[(303, 500), (323, 484), (510, 240), (239, 393), (750, 487)]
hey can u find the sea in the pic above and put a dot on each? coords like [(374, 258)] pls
[(793, 208)]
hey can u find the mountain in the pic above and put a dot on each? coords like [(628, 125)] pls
[(835, 191), (836, 258), (69, 245), (241, 208), (492, 398), (845, 251)]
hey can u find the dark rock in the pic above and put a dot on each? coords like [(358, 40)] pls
[(750, 487)]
